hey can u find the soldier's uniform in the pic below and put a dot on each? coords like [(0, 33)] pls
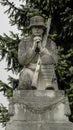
[(29, 58)]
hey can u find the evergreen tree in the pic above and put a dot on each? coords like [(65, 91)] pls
[(61, 32)]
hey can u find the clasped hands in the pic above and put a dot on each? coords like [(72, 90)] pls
[(37, 46)]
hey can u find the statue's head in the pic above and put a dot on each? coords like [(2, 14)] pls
[(37, 25)]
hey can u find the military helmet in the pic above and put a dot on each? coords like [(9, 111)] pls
[(37, 21)]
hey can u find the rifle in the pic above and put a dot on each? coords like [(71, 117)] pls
[(47, 32), (37, 70)]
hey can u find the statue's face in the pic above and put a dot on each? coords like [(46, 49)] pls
[(37, 31)]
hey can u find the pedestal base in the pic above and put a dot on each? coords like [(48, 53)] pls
[(39, 110), (19, 125)]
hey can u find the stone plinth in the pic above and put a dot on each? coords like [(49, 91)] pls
[(39, 110), (19, 125)]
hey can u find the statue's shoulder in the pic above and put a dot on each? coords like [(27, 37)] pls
[(51, 44), (25, 38), (50, 41), (25, 41)]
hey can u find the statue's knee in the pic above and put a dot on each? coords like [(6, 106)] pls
[(25, 81)]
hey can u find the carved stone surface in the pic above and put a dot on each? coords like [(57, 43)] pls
[(43, 103), (46, 108), (18, 125), (39, 109), (38, 56)]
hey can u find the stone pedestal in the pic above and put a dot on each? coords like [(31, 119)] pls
[(17, 125), (39, 110)]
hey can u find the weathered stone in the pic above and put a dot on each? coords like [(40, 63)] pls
[(39, 110), (19, 125), (37, 20), (37, 54), (40, 103), (46, 108)]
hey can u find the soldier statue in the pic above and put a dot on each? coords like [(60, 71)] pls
[(38, 56)]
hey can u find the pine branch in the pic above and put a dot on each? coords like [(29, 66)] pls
[(4, 116), (21, 15), (8, 49), (13, 82), (10, 4), (8, 91), (13, 12)]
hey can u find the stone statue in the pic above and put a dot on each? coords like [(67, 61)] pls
[(38, 110), (37, 54)]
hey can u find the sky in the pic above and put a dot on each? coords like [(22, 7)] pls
[(5, 27)]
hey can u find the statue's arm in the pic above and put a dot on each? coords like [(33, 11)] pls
[(21, 53), (53, 49), (25, 53), (55, 52)]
